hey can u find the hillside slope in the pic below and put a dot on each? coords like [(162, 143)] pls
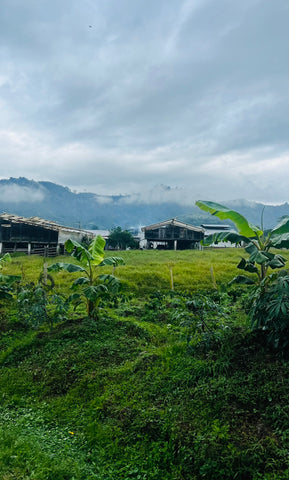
[(88, 210)]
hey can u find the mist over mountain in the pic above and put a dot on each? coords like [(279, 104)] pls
[(57, 203)]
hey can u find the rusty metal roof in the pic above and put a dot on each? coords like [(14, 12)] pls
[(38, 222)]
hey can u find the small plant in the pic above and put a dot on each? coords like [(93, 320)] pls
[(7, 281), (37, 306), (91, 287)]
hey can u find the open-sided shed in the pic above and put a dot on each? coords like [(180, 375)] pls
[(35, 236), (173, 234)]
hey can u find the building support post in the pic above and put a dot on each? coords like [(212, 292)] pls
[(58, 249), (175, 244), (1, 248), (29, 249)]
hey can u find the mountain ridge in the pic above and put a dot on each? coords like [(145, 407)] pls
[(60, 204)]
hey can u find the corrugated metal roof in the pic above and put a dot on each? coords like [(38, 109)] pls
[(39, 222), (174, 222)]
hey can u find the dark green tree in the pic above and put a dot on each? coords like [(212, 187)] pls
[(121, 239)]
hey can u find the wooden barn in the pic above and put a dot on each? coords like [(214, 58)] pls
[(173, 235), (35, 235)]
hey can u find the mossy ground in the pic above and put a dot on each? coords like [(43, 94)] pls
[(152, 390)]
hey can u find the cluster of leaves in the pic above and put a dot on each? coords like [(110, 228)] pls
[(256, 243), (270, 299), (270, 308), (7, 282), (90, 287), (37, 306)]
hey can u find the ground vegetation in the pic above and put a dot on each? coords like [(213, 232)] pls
[(165, 384)]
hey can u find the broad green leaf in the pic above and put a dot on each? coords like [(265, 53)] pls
[(251, 248), (112, 261), (224, 237), (280, 241), (68, 267), (277, 262), (261, 257), (75, 298), (242, 280), (94, 292), (80, 281), (70, 245), (113, 284), (78, 251), (243, 226), (96, 249), (247, 266), (281, 227)]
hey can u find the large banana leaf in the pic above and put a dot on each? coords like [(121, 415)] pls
[(242, 280), (93, 292), (280, 241), (243, 226), (247, 266), (78, 251), (232, 237), (277, 262), (114, 261), (281, 227), (69, 267), (80, 281), (96, 249), (113, 284)]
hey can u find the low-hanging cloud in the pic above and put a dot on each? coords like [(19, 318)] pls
[(160, 194), (18, 194)]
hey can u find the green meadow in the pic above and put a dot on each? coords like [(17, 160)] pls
[(168, 383)]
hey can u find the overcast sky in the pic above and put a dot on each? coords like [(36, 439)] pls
[(116, 96)]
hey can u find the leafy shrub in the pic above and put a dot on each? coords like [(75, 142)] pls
[(270, 308), (36, 306)]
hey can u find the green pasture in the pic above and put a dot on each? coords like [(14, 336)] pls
[(147, 270)]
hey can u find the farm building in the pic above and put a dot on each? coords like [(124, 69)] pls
[(35, 235), (172, 234)]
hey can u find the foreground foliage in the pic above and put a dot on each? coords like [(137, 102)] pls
[(257, 244), (166, 385), (92, 286)]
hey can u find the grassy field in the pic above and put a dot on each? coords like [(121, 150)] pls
[(157, 388), (147, 270)]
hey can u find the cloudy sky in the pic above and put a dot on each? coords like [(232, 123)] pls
[(116, 96)]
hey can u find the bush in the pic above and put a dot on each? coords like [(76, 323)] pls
[(270, 308)]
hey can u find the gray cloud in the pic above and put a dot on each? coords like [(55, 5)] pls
[(115, 97), (18, 194)]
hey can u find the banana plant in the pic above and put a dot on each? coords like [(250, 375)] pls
[(256, 243), (90, 286), (6, 281)]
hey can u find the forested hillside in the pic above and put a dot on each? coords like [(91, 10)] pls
[(89, 210)]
